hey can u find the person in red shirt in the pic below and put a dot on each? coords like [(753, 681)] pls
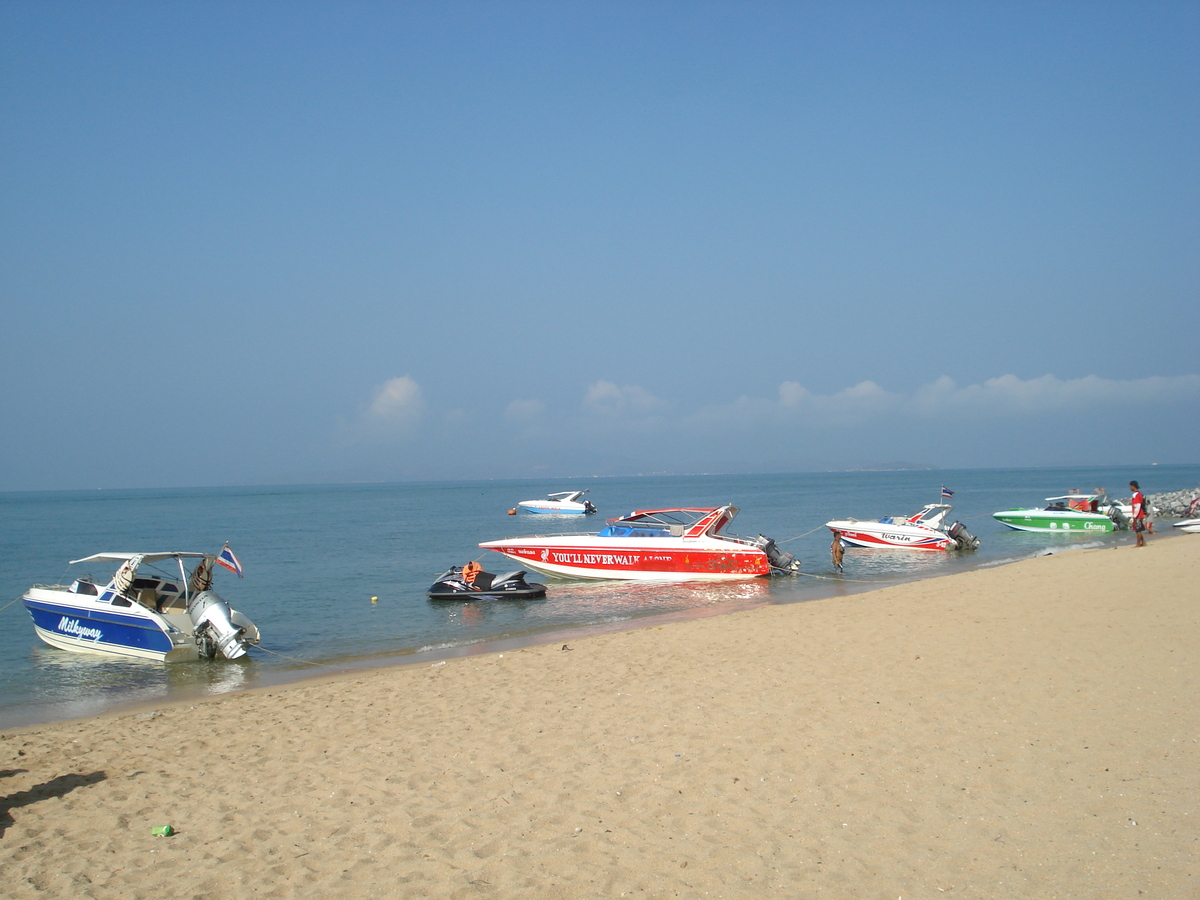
[(1138, 502)]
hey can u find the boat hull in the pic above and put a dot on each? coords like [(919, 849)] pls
[(554, 509), (1189, 525), (1065, 522), (85, 630), (644, 560), (869, 534)]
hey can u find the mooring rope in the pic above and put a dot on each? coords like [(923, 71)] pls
[(10, 603), (293, 658), (797, 537), (840, 578)]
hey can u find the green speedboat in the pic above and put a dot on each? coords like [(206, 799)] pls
[(1072, 514)]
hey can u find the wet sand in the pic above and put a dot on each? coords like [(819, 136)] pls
[(1028, 730)]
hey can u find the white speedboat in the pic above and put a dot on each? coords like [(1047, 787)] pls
[(678, 544), (1189, 525), (924, 530), (143, 610), (566, 503)]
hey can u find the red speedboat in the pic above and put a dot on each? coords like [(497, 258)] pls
[(680, 544)]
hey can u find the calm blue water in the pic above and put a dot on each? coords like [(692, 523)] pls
[(315, 555)]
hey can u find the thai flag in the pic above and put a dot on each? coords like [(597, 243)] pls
[(226, 559), (946, 492)]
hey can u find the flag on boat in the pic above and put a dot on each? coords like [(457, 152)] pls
[(946, 492), (226, 559)]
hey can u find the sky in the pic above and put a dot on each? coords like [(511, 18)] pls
[(357, 242)]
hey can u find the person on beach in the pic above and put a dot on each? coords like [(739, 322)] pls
[(1138, 502), (836, 552)]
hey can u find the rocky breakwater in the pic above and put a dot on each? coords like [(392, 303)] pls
[(1175, 504)]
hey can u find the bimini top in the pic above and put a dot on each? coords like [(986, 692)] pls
[(567, 496), (687, 521), (145, 557)]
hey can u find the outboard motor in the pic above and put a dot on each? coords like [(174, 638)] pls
[(588, 508), (779, 560), (213, 618), (963, 539), (1120, 520)]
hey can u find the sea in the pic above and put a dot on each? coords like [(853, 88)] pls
[(336, 575)]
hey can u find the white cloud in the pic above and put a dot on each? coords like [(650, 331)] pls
[(1009, 395), (792, 393), (524, 410), (607, 398), (398, 401), (1005, 398)]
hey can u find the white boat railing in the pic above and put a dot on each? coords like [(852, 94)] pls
[(732, 538), (556, 534)]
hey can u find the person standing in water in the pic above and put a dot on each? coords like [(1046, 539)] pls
[(1138, 502), (836, 552)]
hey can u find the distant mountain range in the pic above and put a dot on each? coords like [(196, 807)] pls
[(894, 467)]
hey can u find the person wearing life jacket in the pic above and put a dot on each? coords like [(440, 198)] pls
[(1138, 502), (470, 571)]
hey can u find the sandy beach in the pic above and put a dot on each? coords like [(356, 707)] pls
[(1028, 730)]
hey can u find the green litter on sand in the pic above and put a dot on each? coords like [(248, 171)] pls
[(162, 831)]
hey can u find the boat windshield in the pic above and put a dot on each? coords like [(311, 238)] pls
[(931, 515), (675, 522), (665, 517), (637, 529), (1077, 502)]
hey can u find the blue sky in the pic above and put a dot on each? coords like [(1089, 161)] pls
[(291, 242)]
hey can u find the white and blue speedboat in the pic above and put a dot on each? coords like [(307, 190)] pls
[(145, 610), (566, 503)]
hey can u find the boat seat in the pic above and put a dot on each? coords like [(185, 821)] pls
[(509, 576)]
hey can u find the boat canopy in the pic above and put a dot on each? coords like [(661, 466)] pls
[(568, 496), (145, 557)]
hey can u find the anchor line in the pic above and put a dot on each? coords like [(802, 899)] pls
[(8, 604), (848, 580), (797, 537), (293, 658)]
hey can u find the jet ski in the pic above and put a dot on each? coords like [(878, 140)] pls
[(470, 582)]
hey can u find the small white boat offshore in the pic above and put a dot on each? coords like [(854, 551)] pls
[(924, 530), (565, 503), (1188, 525), (1073, 513), (144, 611), (676, 544)]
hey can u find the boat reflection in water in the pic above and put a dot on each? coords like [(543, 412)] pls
[(86, 684), (600, 602), (891, 564)]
